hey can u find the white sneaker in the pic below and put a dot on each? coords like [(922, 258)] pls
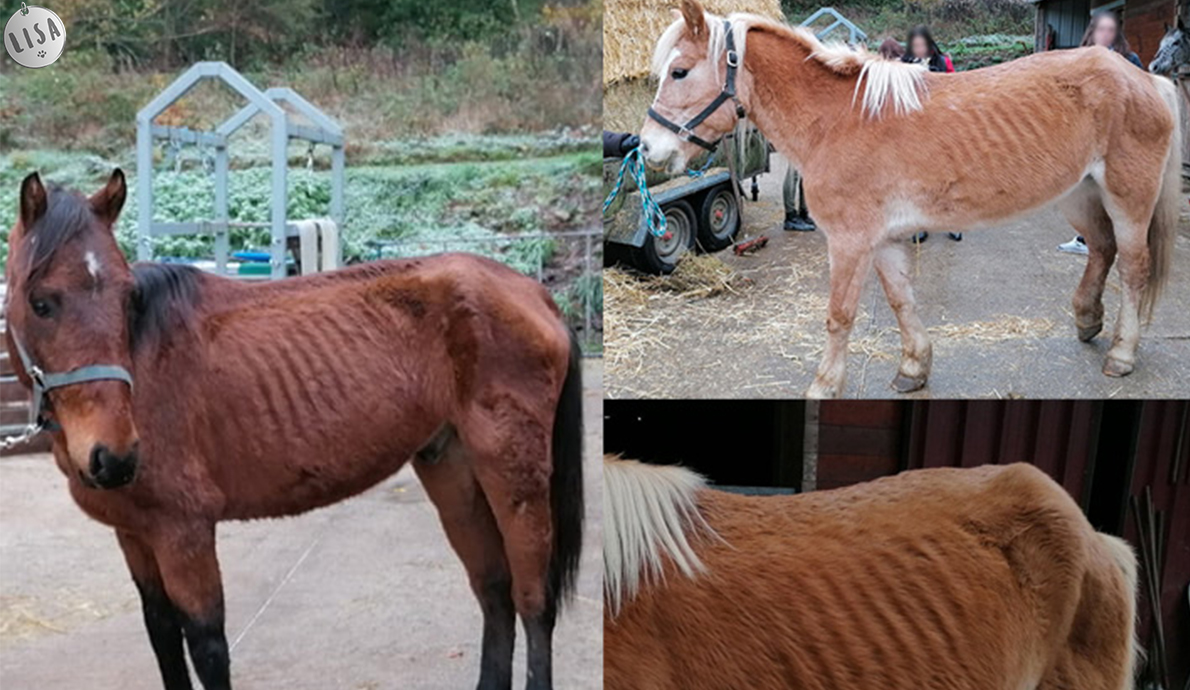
[(1075, 246)]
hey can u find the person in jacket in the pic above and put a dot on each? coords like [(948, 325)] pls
[(922, 49), (1103, 30)]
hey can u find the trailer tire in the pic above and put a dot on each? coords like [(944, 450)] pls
[(719, 219), (661, 255)]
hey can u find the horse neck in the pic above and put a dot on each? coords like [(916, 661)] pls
[(790, 98)]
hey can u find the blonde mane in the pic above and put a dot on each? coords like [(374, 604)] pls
[(885, 84), (647, 512)]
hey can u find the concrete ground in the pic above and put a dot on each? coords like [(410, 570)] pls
[(997, 305), (363, 595)]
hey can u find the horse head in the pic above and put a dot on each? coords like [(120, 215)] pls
[(1174, 50), (695, 63), (70, 289)]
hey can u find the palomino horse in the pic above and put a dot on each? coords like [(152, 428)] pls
[(976, 579), (1081, 126), (181, 399)]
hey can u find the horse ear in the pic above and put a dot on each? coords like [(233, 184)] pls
[(107, 202), (695, 16), (33, 200)]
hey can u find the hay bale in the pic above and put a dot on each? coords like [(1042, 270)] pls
[(631, 29)]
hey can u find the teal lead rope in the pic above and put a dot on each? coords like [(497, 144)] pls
[(634, 165)]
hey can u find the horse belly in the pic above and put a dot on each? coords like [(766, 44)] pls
[(293, 443)]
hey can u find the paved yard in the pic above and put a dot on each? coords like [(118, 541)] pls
[(997, 305), (363, 595)]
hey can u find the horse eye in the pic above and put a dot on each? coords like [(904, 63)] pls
[(679, 73), (41, 307)]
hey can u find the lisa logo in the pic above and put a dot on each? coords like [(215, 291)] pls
[(34, 36)]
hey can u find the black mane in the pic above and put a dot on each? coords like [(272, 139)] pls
[(165, 297)]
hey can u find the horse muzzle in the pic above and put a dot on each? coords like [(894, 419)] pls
[(108, 469)]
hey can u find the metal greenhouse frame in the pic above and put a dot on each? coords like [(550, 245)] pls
[(282, 129)]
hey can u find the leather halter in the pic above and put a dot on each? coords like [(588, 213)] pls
[(686, 131), (45, 382)]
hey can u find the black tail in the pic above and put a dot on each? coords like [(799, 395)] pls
[(566, 483)]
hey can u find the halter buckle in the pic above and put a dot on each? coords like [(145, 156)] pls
[(37, 375), (733, 59)]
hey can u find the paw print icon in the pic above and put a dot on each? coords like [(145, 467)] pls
[(41, 53)]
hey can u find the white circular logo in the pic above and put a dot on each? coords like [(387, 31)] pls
[(34, 36)]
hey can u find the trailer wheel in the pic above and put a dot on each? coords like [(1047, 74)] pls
[(661, 254), (720, 219)]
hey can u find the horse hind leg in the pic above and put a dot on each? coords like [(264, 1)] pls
[(1131, 227), (510, 441), (1083, 208), (1100, 652), (445, 471), (916, 351)]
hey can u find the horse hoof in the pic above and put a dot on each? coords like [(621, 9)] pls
[(908, 384), (818, 391), (1086, 333), (1116, 368)]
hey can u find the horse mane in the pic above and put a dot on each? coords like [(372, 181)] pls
[(648, 510), (889, 83), (166, 296)]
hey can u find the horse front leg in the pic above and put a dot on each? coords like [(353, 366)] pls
[(161, 617), (1134, 276), (916, 351), (185, 556), (850, 262)]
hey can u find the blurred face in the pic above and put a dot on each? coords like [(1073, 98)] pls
[(1105, 32), (919, 47)]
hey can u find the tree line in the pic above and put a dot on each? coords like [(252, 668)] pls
[(250, 33)]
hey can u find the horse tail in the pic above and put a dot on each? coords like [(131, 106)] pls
[(647, 512), (1163, 226), (566, 481), (1124, 558)]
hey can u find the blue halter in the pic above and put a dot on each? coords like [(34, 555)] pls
[(45, 382)]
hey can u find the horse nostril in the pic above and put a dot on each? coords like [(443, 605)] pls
[(109, 470), (99, 455), (644, 147)]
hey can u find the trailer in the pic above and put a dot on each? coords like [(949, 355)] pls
[(701, 206)]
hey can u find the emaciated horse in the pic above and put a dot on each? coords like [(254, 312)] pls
[(974, 579), (1083, 127), (179, 399)]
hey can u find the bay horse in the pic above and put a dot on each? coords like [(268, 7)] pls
[(943, 579), (1083, 127), (179, 399)]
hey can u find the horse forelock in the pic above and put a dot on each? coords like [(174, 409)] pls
[(67, 216), (166, 297), (651, 516)]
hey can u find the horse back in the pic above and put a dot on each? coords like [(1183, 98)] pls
[(931, 579)]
